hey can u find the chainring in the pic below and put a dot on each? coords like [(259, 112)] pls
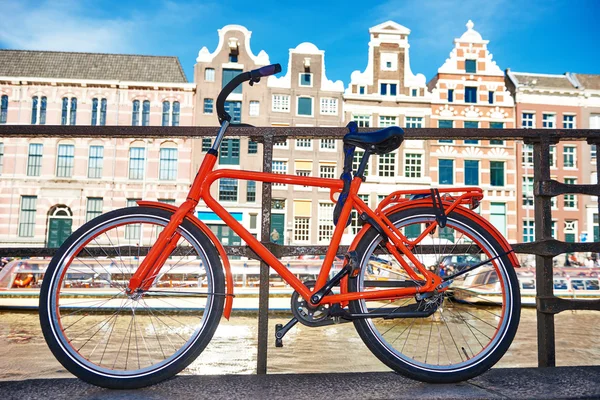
[(308, 314)]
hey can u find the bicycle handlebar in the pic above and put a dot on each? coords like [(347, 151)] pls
[(253, 76)]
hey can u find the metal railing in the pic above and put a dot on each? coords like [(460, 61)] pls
[(545, 248)]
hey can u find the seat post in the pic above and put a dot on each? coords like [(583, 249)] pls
[(360, 172)]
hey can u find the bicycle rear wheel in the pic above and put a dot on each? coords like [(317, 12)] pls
[(475, 319), (111, 339)]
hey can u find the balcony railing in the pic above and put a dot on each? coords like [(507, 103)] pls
[(545, 248)]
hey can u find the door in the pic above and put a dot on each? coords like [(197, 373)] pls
[(277, 228), (59, 229)]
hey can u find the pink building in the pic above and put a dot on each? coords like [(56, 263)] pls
[(48, 186)]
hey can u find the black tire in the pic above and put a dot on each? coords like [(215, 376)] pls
[(198, 317), (464, 306)]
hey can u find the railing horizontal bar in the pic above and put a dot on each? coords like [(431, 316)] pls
[(554, 305), (556, 188), (553, 247), (529, 135)]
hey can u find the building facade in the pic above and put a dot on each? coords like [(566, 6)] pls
[(469, 92), (49, 186)]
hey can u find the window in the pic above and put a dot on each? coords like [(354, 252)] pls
[(413, 165), (327, 171), (498, 216), (95, 111), (228, 189), (471, 125), (95, 161), (593, 152), (281, 145), (94, 208), (355, 224), (470, 66), (64, 163), (491, 97), (472, 172), (175, 115), (133, 231), (570, 199), (279, 167), (450, 95), (27, 217), (528, 231), (229, 154), (553, 156), (209, 74), (388, 89), (137, 162), (228, 75), (528, 190), (69, 111), (528, 120), (281, 103), (387, 165), (234, 108), (252, 147), (1, 156), (254, 109), (253, 221), (414, 122), (569, 157), (527, 157), (363, 121), (549, 121), (329, 106), (304, 144), (446, 172), (358, 155), (166, 201), (146, 113), (385, 121), (168, 164), (361, 90), (568, 122), (305, 79), (206, 144), (325, 222), (327, 144), (470, 95), (34, 159), (38, 110), (251, 191), (497, 173), (135, 115), (570, 230), (497, 125), (305, 106), (208, 106), (414, 92), (233, 58), (444, 123), (3, 109), (166, 110), (301, 229)]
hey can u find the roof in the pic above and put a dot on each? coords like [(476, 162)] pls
[(545, 81), (589, 81), (92, 66)]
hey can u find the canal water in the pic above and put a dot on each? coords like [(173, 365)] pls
[(336, 348)]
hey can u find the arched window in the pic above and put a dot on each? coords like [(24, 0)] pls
[(165, 113), (94, 111), (43, 110), (175, 116), (34, 108), (69, 111), (3, 109), (103, 112), (146, 113), (135, 118), (95, 119)]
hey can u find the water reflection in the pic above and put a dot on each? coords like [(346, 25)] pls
[(334, 348)]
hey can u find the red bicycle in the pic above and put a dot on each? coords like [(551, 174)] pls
[(135, 295)]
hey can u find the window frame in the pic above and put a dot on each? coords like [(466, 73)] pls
[(312, 106)]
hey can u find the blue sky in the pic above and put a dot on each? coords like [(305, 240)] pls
[(551, 36)]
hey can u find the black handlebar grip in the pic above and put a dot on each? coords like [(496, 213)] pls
[(266, 71)]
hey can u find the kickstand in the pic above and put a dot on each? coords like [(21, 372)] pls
[(281, 330)]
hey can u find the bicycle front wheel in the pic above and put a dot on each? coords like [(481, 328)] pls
[(111, 339), (474, 320)]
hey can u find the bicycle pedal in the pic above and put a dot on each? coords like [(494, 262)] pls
[(352, 262), (278, 340), (281, 330)]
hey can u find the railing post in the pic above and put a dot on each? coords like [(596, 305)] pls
[(265, 235), (543, 264)]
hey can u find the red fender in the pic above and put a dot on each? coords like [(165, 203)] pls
[(206, 230), (459, 209)]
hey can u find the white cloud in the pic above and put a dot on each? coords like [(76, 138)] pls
[(62, 25)]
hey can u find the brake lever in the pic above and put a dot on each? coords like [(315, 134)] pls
[(254, 80)]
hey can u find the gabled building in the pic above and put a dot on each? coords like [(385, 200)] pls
[(387, 93), (469, 92), (50, 186)]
